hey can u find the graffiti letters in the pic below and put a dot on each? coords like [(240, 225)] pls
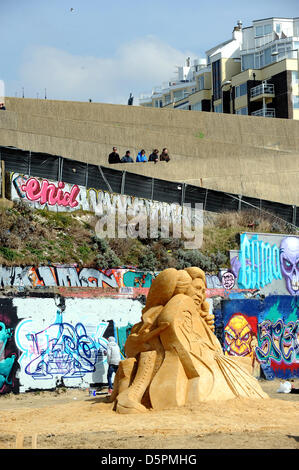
[(278, 342), (259, 263), (60, 349), (47, 193)]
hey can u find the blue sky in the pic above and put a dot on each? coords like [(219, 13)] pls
[(104, 50)]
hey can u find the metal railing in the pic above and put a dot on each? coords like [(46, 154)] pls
[(265, 112), (262, 89)]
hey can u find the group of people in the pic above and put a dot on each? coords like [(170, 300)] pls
[(141, 157)]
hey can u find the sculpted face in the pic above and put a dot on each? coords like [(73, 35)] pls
[(238, 334), (197, 291)]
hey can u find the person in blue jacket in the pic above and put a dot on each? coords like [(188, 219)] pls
[(141, 157)]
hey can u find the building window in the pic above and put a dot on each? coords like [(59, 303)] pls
[(216, 71), (196, 106), (218, 108), (201, 82), (268, 57), (295, 102), (241, 90), (247, 62), (268, 28), (263, 30), (243, 111), (295, 77), (259, 31), (167, 99), (178, 95), (278, 28)]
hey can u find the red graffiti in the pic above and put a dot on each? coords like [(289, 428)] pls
[(46, 192)]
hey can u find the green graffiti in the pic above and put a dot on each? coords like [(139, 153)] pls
[(122, 334)]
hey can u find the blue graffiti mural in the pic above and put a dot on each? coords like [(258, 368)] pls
[(60, 349), (259, 263)]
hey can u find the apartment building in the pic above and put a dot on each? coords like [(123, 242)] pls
[(254, 73)]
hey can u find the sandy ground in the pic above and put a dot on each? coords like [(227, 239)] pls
[(71, 419)]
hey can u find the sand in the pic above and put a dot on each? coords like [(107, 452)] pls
[(71, 419)]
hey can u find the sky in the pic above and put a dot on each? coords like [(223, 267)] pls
[(104, 50)]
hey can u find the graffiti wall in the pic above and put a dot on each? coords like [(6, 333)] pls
[(266, 331), (8, 349), (64, 341), (71, 276), (58, 196), (119, 282), (267, 262)]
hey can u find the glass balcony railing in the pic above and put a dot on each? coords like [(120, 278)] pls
[(264, 112), (262, 89)]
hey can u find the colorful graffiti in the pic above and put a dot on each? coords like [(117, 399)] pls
[(278, 336), (61, 349), (266, 330), (268, 262), (240, 336), (68, 347), (8, 350), (69, 276), (59, 196), (47, 193), (289, 261)]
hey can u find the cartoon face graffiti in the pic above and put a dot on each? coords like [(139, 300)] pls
[(289, 263), (238, 337)]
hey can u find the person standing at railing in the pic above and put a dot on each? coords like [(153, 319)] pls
[(127, 158), (141, 157), (154, 157), (164, 157), (114, 156)]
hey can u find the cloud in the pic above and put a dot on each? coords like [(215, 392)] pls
[(135, 67)]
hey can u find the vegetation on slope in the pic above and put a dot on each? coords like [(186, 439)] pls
[(40, 237)]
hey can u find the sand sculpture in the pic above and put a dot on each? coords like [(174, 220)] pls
[(173, 356)]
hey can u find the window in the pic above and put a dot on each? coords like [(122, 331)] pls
[(243, 111), (247, 61), (278, 28), (167, 99), (267, 54), (201, 82), (218, 108), (268, 28), (196, 106), (263, 30), (216, 72), (295, 102), (295, 78), (177, 95), (259, 31), (241, 90)]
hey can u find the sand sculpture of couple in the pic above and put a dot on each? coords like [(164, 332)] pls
[(173, 357)]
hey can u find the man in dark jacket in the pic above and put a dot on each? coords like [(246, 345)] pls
[(114, 156), (127, 158)]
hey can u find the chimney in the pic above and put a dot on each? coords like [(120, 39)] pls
[(237, 32)]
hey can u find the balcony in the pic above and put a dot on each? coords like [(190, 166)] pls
[(261, 92), (264, 112)]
